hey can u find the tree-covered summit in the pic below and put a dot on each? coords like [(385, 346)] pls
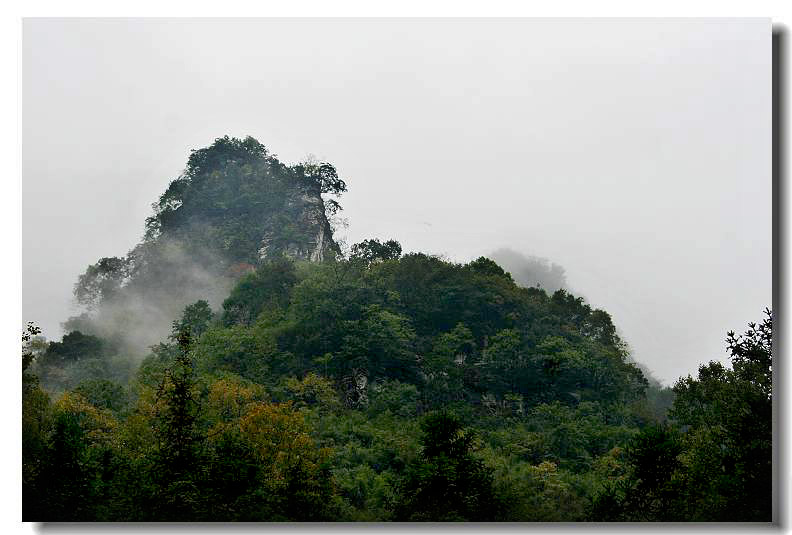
[(235, 194), (234, 205)]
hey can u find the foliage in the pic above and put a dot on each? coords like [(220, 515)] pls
[(715, 465), (728, 416), (233, 193), (36, 422), (195, 320), (375, 387), (395, 397), (448, 483), (29, 381), (178, 438), (537, 493), (77, 358), (303, 399), (103, 394), (269, 286), (74, 346), (101, 281), (312, 390), (374, 250)]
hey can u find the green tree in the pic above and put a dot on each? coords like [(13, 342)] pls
[(503, 362), (179, 441), (101, 281), (195, 319), (374, 250), (485, 266), (720, 468), (448, 483), (651, 492), (729, 439), (381, 342), (445, 369), (269, 286), (103, 394), (74, 346), (36, 422), (29, 381)]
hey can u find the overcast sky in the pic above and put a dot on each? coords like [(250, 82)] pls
[(636, 154)]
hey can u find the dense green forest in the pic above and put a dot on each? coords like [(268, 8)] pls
[(363, 385)]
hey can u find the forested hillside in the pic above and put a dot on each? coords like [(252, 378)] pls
[(295, 381)]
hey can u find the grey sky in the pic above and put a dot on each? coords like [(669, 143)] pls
[(635, 153)]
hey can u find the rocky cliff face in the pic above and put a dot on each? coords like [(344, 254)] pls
[(308, 236), (241, 204)]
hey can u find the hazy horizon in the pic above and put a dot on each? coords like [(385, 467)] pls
[(636, 154)]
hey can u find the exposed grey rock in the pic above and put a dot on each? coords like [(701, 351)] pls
[(316, 242)]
